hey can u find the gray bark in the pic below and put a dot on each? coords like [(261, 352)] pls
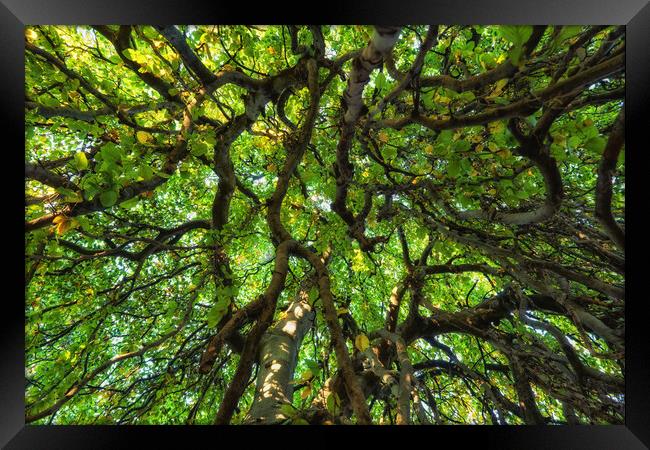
[(277, 362)]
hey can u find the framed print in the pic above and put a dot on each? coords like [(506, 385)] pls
[(355, 218)]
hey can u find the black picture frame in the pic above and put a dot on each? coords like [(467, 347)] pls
[(15, 14)]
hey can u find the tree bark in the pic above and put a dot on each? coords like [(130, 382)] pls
[(277, 360)]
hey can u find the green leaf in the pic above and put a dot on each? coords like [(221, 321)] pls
[(111, 152), (380, 80), (108, 198), (75, 197), (214, 316), (90, 190), (129, 203), (574, 141), (517, 34), (288, 410), (558, 152), (590, 131), (218, 310), (488, 60), (515, 54), (80, 161), (313, 366), (146, 172), (389, 152), (162, 174), (199, 148), (445, 136), (427, 99), (567, 32), (596, 145), (313, 295), (171, 310), (467, 96), (49, 101), (333, 401), (453, 168), (462, 146)]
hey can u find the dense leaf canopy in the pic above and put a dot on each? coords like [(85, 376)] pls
[(324, 224)]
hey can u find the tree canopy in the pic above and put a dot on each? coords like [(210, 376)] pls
[(324, 224)]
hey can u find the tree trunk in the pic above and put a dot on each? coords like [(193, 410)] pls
[(277, 361)]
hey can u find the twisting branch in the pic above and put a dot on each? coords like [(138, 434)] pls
[(383, 40), (604, 184)]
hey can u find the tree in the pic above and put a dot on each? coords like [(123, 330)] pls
[(313, 225)]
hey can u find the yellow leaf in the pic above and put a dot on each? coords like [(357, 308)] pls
[(64, 226), (307, 375), (31, 35), (143, 137), (505, 153), (341, 311), (306, 392), (383, 137), (498, 88), (80, 160), (428, 148), (361, 342), (440, 99), (496, 127)]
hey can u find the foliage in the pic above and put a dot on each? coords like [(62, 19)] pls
[(460, 237)]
